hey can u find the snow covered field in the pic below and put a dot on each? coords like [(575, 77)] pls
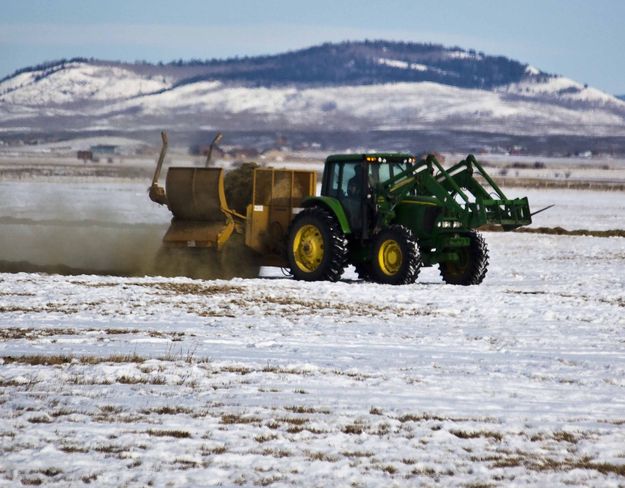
[(175, 382)]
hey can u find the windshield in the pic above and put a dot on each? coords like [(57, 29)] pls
[(379, 173)]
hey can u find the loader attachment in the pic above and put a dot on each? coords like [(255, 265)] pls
[(485, 207)]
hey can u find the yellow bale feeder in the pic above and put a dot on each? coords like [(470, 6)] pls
[(207, 227)]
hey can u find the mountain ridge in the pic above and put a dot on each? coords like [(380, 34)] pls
[(357, 86), (346, 63)]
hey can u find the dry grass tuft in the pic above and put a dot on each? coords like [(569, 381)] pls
[(302, 409), (563, 436), (427, 471), (322, 456), (56, 360), (69, 449), (242, 370), (213, 451), (265, 438), (268, 481), (389, 468), (277, 453), (463, 434), (422, 417), (110, 449), (179, 434), (195, 289), (50, 472), (548, 464), (238, 419), (40, 419), (31, 481), (166, 410), (355, 429), (357, 454), (89, 479), (294, 420)]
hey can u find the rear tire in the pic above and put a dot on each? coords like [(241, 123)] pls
[(472, 266), (396, 258), (317, 248)]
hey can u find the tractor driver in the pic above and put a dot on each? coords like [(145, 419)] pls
[(353, 202), (354, 186), (354, 183)]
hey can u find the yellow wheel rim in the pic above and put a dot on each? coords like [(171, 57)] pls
[(390, 257), (308, 248)]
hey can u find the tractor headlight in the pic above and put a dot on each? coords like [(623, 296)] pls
[(449, 224)]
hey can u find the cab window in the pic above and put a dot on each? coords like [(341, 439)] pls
[(340, 175)]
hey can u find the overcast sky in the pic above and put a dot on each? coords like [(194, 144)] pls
[(581, 39)]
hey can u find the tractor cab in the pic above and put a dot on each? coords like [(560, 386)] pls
[(355, 181)]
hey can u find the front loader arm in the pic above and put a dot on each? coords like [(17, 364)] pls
[(488, 208), (419, 176)]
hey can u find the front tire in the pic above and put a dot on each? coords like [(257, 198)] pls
[(472, 265), (317, 248), (396, 258)]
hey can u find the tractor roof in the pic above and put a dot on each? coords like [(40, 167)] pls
[(368, 156)]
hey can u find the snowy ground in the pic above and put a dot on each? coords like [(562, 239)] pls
[(254, 382), (175, 382)]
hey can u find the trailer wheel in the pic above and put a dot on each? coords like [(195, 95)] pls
[(396, 258), (472, 265), (317, 247)]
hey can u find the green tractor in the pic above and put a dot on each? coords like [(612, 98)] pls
[(390, 214)]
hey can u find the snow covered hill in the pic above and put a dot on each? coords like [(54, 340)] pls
[(388, 86)]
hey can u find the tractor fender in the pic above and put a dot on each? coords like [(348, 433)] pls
[(333, 206)]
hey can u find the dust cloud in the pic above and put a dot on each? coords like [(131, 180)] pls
[(63, 236), (70, 247)]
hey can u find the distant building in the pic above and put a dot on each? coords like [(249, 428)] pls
[(85, 156), (104, 149)]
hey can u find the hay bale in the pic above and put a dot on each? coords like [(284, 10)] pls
[(239, 184)]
